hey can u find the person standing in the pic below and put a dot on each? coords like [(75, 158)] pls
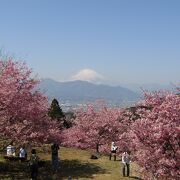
[(11, 150), (113, 151), (54, 155), (22, 153), (33, 163), (126, 163)]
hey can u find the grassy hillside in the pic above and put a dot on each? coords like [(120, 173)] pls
[(75, 163)]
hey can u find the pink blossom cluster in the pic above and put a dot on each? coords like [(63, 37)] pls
[(156, 135), (23, 111), (94, 129)]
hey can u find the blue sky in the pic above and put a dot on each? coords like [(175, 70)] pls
[(113, 41)]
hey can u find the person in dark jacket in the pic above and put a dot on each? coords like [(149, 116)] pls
[(33, 163), (54, 155)]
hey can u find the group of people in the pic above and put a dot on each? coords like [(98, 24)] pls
[(34, 159), (11, 151), (125, 159)]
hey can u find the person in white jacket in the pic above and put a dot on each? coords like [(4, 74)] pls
[(126, 163), (23, 153), (113, 151), (11, 150)]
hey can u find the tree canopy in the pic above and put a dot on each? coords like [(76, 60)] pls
[(23, 111)]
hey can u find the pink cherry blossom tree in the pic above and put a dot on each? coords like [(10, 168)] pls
[(94, 129), (156, 135), (23, 111)]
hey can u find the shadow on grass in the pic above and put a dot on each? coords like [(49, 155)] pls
[(135, 177), (73, 168), (13, 171), (76, 169)]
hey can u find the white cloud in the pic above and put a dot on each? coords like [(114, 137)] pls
[(87, 75)]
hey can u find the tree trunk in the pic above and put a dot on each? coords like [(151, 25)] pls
[(97, 148)]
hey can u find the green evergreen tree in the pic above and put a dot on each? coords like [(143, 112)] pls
[(55, 111)]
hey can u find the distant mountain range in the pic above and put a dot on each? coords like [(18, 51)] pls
[(83, 92), (149, 86)]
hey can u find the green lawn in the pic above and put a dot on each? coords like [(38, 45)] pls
[(73, 162)]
